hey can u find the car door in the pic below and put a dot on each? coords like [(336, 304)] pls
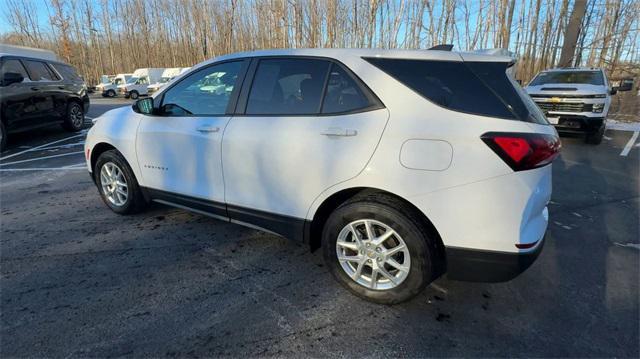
[(179, 149), (305, 124), (17, 103), (44, 85)]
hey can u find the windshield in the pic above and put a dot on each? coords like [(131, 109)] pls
[(117, 81), (165, 79), (133, 80), (568, 77)]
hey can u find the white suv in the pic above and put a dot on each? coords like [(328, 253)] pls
[(401, 165)]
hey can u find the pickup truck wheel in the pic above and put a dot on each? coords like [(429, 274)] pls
[(117, 184), (595, 138), (376, 247), (134, 95), (111, 93), (74, 119)]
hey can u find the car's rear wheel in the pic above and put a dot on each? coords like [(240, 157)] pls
[(117, 184), (74, 119), (111, 93), (377, 248)]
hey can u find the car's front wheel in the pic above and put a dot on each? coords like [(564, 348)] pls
[(117, 184), (595, 138), (134, 95), (377, 248), (111, 93)]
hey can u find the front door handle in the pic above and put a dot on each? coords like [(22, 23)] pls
[(35, 89), (208, 129), (336, 131)]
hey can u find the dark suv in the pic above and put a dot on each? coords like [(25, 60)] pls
[(36, 92)]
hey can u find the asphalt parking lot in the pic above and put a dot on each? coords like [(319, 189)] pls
[(80, 281)]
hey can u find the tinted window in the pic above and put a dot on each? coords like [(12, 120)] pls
[(205, 92), (40, 71), (343, 93), (449, 84), (287, 86), (569, 77), (69, 73), (498, 79), (13, 66)]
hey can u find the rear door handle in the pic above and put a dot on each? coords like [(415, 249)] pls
[(35, 89), (208, 129), (336, 131)]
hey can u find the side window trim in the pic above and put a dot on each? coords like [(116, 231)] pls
[(234, 93), (241, 108)]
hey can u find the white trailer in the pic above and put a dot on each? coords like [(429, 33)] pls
[(167, 75), (111, 89)]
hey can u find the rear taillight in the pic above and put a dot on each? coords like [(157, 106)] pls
[(523, 151)]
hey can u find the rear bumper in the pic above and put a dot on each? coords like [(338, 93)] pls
[(578, 124), (488, 266)]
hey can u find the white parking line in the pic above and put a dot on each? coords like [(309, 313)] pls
[(42, 169), (629, 145), (41, 146), (41, 158)]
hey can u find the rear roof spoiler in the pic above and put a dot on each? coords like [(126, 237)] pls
[(442, 47)]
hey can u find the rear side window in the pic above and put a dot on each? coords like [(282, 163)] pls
[(287, 87), (40, 71), (343, 93), (68, 72), (482, 88), (13, 65)]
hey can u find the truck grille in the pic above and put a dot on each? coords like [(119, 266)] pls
[(565, 106)]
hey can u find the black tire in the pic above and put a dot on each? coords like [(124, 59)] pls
[(74, 118), (135, 201), (3, 137), (595, 138), (403, 220), (134, 95), (111, 93)]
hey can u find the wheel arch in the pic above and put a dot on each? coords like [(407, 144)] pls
[(314, 227), (97, 150)]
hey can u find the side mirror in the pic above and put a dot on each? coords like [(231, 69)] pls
[(11, 78), (625, 85), (144, 106), (614, 90)]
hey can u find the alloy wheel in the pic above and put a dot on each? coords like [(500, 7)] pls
[(76, 116), (373, 254), (114, 185)]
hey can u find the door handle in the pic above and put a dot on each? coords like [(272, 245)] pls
[(61, 87), (35, 89), (208, 129), (335, 131)]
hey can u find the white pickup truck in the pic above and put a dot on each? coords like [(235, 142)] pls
[(575, 100), (110, 89), (137, 84)]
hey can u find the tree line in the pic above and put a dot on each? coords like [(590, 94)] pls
[(115, 36)]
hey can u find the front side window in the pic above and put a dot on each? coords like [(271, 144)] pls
[(569, 77), (204, 93), (287, 87), (40, 71), (13, 66)]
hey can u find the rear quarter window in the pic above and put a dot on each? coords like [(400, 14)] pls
[(39, 71), (68, 72), (481, 88)]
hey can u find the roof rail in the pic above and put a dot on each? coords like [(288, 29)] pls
[(442, 47)]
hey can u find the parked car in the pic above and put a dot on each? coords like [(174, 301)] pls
[(104, 80), (167, 75), (137, 84), (575, 100), (111, 89), (36, 92), (401, 165)]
